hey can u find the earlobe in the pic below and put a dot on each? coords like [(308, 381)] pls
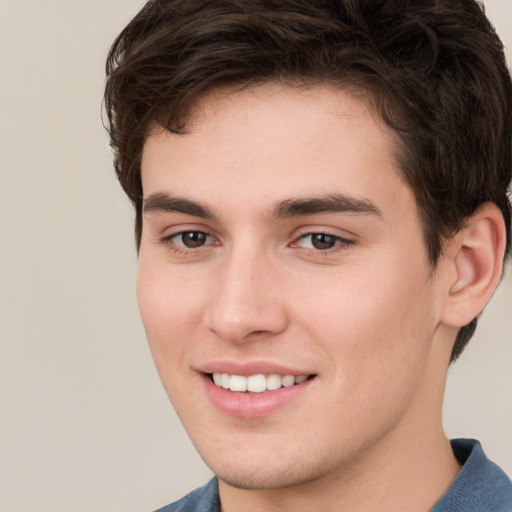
[(476, 255)]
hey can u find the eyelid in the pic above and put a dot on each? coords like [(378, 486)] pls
[(342, 242), (169, 241)]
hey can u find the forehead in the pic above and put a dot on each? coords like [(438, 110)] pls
[(270, 141)]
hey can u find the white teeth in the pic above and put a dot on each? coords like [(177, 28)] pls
[(224, 380), (237, 383), (273, 381), (288, 380), (256, 383)]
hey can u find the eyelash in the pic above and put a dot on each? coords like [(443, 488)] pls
[(340, 243), (169, 241)]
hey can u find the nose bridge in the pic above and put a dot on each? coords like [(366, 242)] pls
[(245, 302)]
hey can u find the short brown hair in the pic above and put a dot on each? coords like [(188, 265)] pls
[(435, 70)]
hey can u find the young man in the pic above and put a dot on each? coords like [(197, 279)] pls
[(321, 215)]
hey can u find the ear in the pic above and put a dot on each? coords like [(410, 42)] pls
[(476, 260)]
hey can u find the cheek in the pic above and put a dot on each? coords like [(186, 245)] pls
[(374, 327), (170, 311), (377, 352), (359, 303)]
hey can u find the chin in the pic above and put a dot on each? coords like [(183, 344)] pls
[(264, 480), (265, 474)]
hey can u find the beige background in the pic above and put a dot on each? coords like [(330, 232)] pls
[(84, 423)]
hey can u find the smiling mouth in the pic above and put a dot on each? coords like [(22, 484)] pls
[(258, 383)]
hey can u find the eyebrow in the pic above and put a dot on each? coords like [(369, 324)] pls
[(331, 203), (161, 202)]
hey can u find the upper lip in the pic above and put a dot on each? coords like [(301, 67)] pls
[(246, 368)]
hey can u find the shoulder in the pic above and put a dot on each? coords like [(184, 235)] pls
[(481, 485), (203, 499)]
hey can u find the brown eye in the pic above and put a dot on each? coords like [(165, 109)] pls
[(192, 239), (323, 242)]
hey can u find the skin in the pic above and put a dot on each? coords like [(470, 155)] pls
[(366, 317)]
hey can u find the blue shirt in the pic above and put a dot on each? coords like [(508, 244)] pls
[(481, 486)]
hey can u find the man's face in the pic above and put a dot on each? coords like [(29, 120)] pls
[(279, 240)]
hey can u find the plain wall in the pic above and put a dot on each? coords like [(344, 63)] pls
[(84, 422)]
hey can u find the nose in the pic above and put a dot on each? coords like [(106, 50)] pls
[(248, 302)]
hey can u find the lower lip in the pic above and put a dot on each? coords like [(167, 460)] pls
[(252, 405)]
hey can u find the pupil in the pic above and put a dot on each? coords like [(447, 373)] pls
[(323, 242), (193, 239)]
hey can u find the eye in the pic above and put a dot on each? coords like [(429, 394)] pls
[(190, 239), (322, 241)]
